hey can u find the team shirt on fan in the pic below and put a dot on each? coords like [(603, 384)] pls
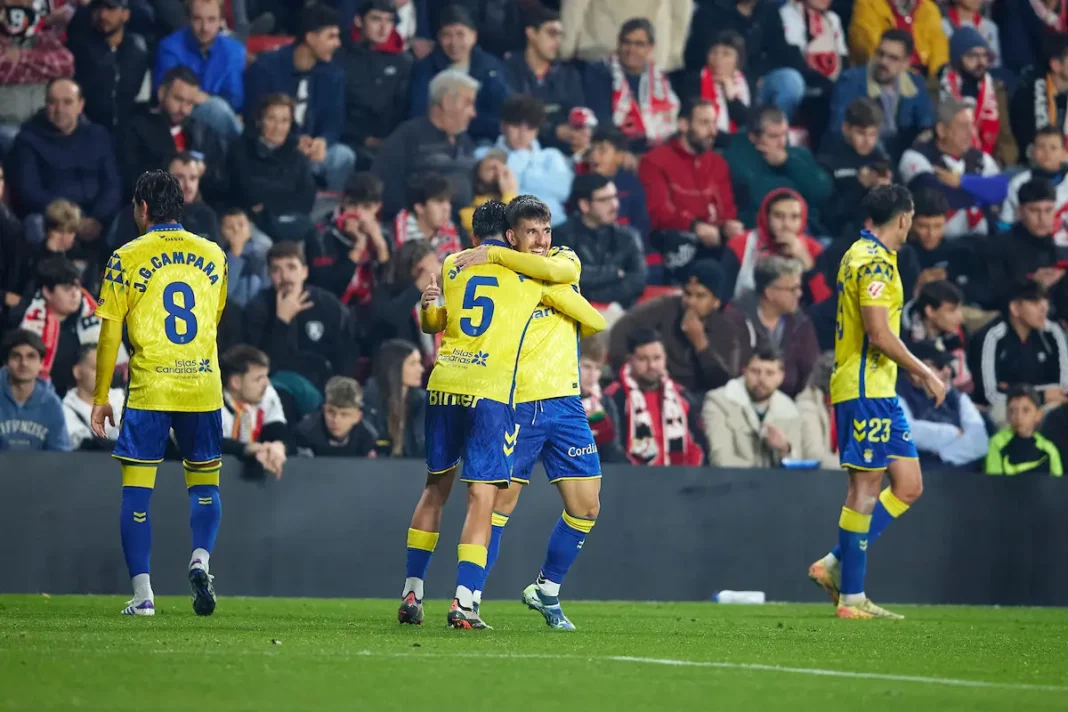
[(169, 286)]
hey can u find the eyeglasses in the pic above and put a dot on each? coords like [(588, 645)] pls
[(795, 288)]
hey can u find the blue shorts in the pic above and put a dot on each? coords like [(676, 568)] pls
[(480, 431), (556, 429), (871, 432), (143, 435)]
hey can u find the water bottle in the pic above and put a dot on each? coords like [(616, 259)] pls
[(750, 597)]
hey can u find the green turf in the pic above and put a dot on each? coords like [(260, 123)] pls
[(71, 653)]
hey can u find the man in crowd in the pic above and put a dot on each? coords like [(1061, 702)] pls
[(1042, 99), (31, 416), (607, 154), (920, 19), (941, 259), (1049, 160), (1020, 448), (428, 215), (253, 422), (78, 405), (935, 318), (198, 217)]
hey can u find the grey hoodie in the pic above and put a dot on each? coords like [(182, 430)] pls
[(37, 424)]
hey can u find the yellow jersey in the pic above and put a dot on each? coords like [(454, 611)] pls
[(169, 286), (867, 277)]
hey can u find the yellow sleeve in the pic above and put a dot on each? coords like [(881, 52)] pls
[(112, 304), (875, 286), (223, 290), (433, 320), (566, 298), (107, 352), (557, 269), (865, 29)]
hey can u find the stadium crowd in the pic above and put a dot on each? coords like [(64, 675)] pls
[(706, 159)]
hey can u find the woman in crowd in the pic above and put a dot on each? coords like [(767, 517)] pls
[(395, 302), (394, 399)]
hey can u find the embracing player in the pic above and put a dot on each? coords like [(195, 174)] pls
[(873, 434), (169, 288)]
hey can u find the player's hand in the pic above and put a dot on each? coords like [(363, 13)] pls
[(776, 439), (935, 387), (101, 414), (432, 292), (694, 328), (470, 258), (289, 304)]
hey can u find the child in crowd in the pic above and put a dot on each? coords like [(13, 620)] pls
[(246, 259), (857, 163), (1020, 448), (494, 180), (338, 429)]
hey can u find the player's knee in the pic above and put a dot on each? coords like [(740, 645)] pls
[(908, 492)]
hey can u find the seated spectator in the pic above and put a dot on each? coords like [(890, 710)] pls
[(31, 416), (907, 109), (921, 19), (398, 291), (817, 38), (377, 75), (607, 154), (537, 72), (110, 64), (771, 315), (1020, 448), (78, 405), (493, 180), (198, 217), (721, 81), (613, 262), (216, 59), (246, 261), (969, 13), (339, 428), (61, 221), (1049, 160), (952, 434), (458, 49), (702, 348), (818, 438), (1042, 99), (969, 178), (857, 164), (762, 161), (253, 422), (934, 317), (749, 422), (1028, 32), (428, 215), (301, 327), (688, 187), (590, 28), (600, 411), (658, 425), (395, 402), (272, 178), (435, 142), (305, 72), (941, 259), (629, 91)]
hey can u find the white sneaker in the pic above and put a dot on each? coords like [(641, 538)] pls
[(144, 607)]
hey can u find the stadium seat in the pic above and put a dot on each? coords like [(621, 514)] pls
[(258, 44)]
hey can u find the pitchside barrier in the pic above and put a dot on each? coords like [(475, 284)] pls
[(336, 528)]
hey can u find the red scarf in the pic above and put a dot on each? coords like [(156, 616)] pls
[(826, 63), (653, 114), (954, 17), (905, 22), (712, 91), (446, 241), (987, 119)]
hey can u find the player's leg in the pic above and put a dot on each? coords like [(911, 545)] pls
[(504, 503), (853, 527)]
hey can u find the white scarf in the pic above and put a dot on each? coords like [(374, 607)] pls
[(657, 103), (642, 446), (45, 323)]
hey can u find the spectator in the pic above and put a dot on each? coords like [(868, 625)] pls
[(628, 90), (703, 349), (497, 21), (816, 33), (253, 422), (818, 438), (457, 49), (301, 327), (857, 164), (272, 178), (59, 154), (771, 315), (608, 151), (902, 95), (762, 161), (688, 187), (216, 59), (941, 259), (541, 172), (377, 75), (395, 399), (920, 18), (589, 27), (613, 262), (720, 80), (198, 217), (306, 73), (339, 428), (427, 216), (13, 255), (31, 416), (1020, 447), (395, 303), (658, 425), (969, 178), (934, 317), (1042, 99), (78, 405), (600, 411), (245, 260), (61, 220), (969, 13), (1026, 29), (110, 64), (436, 142), (749, 422), (538, 72), (1049, 161), (493, 180)]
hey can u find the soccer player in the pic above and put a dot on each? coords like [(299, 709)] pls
[(873, 434), (470, 411), (169, 288)]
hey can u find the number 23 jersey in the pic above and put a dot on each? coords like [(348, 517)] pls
[(169, 286)]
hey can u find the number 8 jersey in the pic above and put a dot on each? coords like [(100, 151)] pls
[(169, 286)]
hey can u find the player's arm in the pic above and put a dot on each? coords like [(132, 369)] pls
[(432, 316), (566, 299), (560, 267), (223, 289), (876, 318)]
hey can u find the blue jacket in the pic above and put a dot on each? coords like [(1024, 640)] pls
[(915, 113), (37, 424), (273, 72), (486, 68), (221, 72), (541, 172)]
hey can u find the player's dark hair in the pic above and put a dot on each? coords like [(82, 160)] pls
[(286, 249), (528, 207), (902, 36), (692, 104), (885, 202), (490, 221), (162, 193), (930, 203), (21, 337), (1022, 390), (182, 74), (585, 185), (58, 270), (83, 352), (364, 188), (640, 337), (388, 372), (766, 352), (1037, 190), (316, 18), (637, 23), (935, 294), (237, 360), (610, 133), (863, 113), (367, 6), (537, 15), (732, 39), (1028, 290), (523, 110), (426, 187)]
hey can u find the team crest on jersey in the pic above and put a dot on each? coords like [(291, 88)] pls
[(315, 330), (875, 289), (868, 455)]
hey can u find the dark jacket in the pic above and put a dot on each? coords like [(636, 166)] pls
[(146, 144), (998, 359), (1012, 259), (392, 313), (1022, 108), (376, 412), (1023, 36), (965, 266), (499, 22), (198, 218), (486, 68), (273, 72), (765, 39), (330, 266), (14, 256), (376, 91), (312, 435), (613, 262), (110, 79), (799, 346), (278, 179), (560, 90), (844, 214), (46, 165)]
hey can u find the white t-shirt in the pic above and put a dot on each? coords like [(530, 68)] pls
[(78, 416), (243, 422)]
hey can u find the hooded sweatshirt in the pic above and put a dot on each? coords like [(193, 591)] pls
[(37, 424)]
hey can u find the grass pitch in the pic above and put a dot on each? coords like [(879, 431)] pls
[(76, 652)]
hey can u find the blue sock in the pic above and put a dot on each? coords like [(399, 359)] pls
[(136, 529), (494, 548), (853, 530), (470, 572), (565, 543), (205, 511), (887, 509)]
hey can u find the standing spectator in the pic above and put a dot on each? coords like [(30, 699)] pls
[(613, 262), (941, 259), (969, 13), (110, 64), (339, 429), (934, 317), (395, 401), (305, 72), (749, 422), (377, 73), (1026, 30), (608, 151), (457, 49), (816, 33), (78, 405), (253, 421), (600, 411), (493, 180), (435, 142), (658, 424), (818, 438), (395, 303), (31, 416), (1020, 447), (245, 260), (628, 90), (762, 161), (589, 27), (920, 18), (216, 59), (1049, 161), (720, 80), (1042, 99), (428, 216)]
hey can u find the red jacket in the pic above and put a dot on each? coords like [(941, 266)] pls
[(681, 187)]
